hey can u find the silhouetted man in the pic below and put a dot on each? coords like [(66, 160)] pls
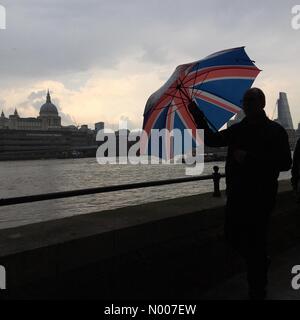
[(258, 149), (296, 170)]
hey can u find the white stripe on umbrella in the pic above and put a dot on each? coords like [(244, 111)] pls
[(215, 100)]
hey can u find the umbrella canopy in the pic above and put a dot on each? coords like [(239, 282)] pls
[(216, 83)]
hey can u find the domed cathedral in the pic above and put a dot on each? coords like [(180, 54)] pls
[(47, 120), (44, 137), (49, 115)]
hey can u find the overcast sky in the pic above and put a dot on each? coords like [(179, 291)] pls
[(102, 59)]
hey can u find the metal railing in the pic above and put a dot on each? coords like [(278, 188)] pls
[(216, 176)]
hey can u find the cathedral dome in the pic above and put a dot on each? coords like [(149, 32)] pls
[(48, 109)]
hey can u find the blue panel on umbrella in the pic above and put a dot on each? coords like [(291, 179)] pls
[(178, 124), (159, 124), (224, 58), (231, 90), (161, 121), (217, 115)]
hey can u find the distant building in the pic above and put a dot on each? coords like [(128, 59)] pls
[(3, 121), (284, 113), (44, 136), (47, 120), (84, 127), (285, 118), (298, 132)]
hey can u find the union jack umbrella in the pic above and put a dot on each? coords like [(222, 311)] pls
[(216, 83)]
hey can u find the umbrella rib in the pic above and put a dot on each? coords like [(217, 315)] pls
[(185, 94), (182, 104), (193, 90), (167, 106), (165, 96), (192, 96), (188, 112)]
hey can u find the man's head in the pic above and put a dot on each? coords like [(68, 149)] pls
[(254, 102)]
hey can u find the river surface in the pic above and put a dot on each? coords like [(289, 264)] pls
[(20, 178)]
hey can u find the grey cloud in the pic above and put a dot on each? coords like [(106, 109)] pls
[(53, 38), (37, 95), (2, 103), (132, 125)]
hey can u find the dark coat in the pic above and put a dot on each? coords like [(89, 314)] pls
[(251, 184), (296, 166), (267, 154)]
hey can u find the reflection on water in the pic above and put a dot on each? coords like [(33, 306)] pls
[(31, 177)]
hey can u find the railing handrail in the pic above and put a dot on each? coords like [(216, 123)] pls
[(82, 192)]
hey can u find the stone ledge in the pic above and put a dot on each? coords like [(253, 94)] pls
[(49, 250)]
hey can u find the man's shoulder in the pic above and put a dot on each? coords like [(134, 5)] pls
[(270, 125), (276, 126), (236, 126)]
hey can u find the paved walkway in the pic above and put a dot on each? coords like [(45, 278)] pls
[(280, 278)]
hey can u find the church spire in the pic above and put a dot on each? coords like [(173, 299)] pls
[(48, 97), (16, 112), (2, 114)]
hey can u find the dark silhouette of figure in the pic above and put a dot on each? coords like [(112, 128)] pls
[(258, 149), (296, 171), (216, 179)]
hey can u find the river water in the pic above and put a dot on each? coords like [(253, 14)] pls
[(20, 178)]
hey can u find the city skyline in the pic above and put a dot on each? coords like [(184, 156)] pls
[(71, 48)]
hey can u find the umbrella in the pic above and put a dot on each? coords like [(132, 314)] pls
[(216, 83)]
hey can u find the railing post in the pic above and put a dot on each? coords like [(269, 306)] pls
[(216, 179)]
